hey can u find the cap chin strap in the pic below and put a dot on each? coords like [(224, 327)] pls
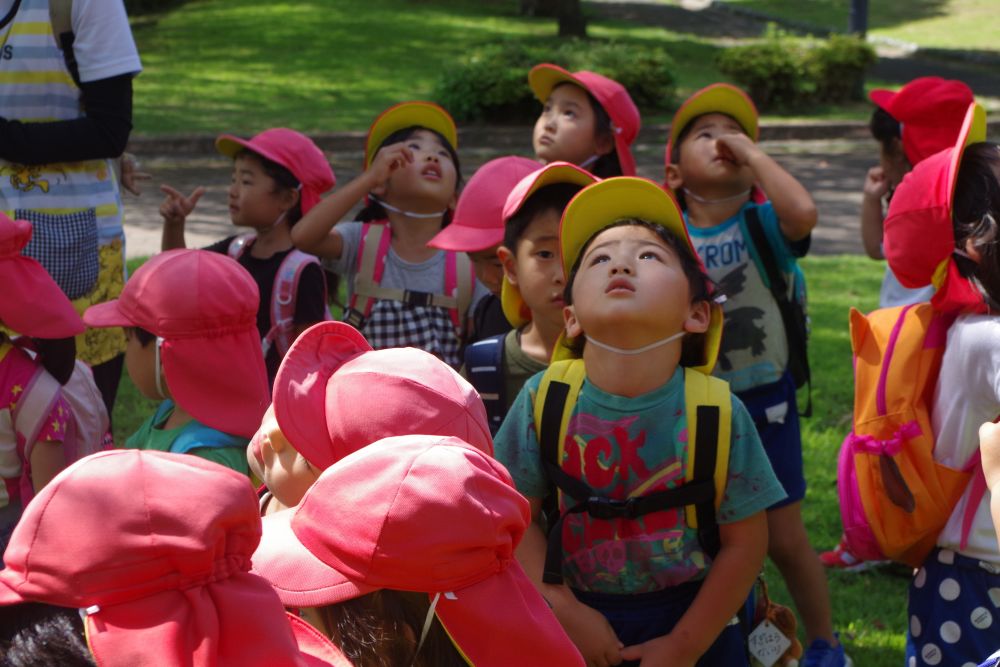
[(723, 200), (589, 161), (389, 207), (427, 627), (159, 376), (640, 350)]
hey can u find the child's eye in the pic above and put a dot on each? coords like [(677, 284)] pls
[(649, 254), (599, 259), (545, 254), (704, 134), (569, 113), (413, 145)]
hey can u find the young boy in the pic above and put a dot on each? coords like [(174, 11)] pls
[(532, 291), (714, 164), (917, 121), (477, 230), (656, 563), (323, 408), (191, 320)]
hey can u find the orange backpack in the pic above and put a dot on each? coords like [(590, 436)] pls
[(894, 497)]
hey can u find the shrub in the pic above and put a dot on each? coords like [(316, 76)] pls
[(490, 84), (838, 65)]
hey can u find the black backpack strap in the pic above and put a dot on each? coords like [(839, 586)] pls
[(706, 453), (484, 368), (792, 316)]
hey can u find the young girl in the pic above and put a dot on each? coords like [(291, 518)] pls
[(640, 585), (403, 553), (278, 176), (942, 228), (33, 305), (587, 119), (401, 291)]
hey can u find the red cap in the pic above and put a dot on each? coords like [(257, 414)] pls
[(919, 238), (204, 307), (155, 549), (478, 221), (425, 514), (611, 95), (292, 150), (334, 395), (930, 111), (32, 304)]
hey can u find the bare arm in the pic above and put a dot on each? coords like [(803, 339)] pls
[(793, 205), (871, 212), (725, 589), (175, 209), (989, 447), (315, 232), (47, 459)]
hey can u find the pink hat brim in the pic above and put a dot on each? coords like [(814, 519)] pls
[(299, 577), (107, 314), (463, 238), (316, 648)]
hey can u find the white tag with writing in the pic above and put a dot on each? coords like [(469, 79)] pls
[(767, 643)]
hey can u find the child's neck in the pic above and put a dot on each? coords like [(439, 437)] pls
[(631, 375), (179, 417), (714, 210), (538, 338), (271, 240), (410, 236)]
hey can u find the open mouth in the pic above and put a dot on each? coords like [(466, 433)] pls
[(619, 285), (431, 171)]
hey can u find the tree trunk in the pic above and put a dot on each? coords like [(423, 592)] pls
[(571, 20)]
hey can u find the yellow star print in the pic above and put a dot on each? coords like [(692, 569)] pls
[(55, 425), (16, 389)]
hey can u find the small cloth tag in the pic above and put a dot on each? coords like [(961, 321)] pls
[(767, 643), (776, 413)]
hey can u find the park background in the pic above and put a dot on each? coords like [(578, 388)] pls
[(328, 67)]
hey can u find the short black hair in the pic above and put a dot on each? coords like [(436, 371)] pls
[(553, 197), (36, 635), (885, 129), (145, 337)]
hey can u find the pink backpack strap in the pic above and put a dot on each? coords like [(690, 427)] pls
[(34, 407), (283, 300), (977, 490), (372, 251), (240, 244)]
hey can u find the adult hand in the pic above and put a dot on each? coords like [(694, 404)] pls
[(131, 174), (591, 633), (658, 652), (876, 184), (176, 207)]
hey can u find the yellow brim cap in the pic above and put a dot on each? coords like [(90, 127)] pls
[(409, 114), (717, 98)]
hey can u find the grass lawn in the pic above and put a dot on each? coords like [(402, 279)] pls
[(949, 24), (869, 608)]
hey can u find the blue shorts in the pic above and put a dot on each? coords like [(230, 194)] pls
[(644, 616), (954, 620), (776, 414)]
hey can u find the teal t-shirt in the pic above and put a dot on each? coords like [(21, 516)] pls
[(620, 445), (228, 450)]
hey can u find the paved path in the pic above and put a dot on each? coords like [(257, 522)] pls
[(832, 170)]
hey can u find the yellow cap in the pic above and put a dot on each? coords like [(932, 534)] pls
[(409, 114)]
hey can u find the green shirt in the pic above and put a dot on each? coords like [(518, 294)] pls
[(517, 367), (227, 450)]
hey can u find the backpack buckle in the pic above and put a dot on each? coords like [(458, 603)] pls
[(600, 507), (415, 298), (355, 318)]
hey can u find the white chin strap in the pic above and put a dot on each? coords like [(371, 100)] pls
[(159, 376), (702, 200), (389, 207), (427, 626), (589, 161), (640, 350)]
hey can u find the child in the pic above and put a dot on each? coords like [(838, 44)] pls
[(151, 552), (278, 176), (32, 305), (714, 164), (643, 584), (190, 319), (533, 284), (477, 229), (942, 229), (587, 119), (323, 407), (401, 291), (418, 513), (920, 119)]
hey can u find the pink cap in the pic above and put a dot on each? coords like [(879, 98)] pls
[(919, 236), (292, 150), (610, 94), (32, 304), (334, 395), (204, 307), (155, 549), (425, 514), (478, 221), (930, 111)]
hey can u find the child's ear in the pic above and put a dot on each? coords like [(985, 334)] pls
[(699, 317), (674, 178), (573, 328), (506, 256), (605, 143)]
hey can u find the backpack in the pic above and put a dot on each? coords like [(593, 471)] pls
[(894, 497), (283, 293), (90, 425), (709, 412), (484, 368), (459, 281), (794, 312)]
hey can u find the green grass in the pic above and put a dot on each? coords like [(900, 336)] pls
[(949, 24), (869, 608)]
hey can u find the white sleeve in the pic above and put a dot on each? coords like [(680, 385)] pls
[(103, 44)]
